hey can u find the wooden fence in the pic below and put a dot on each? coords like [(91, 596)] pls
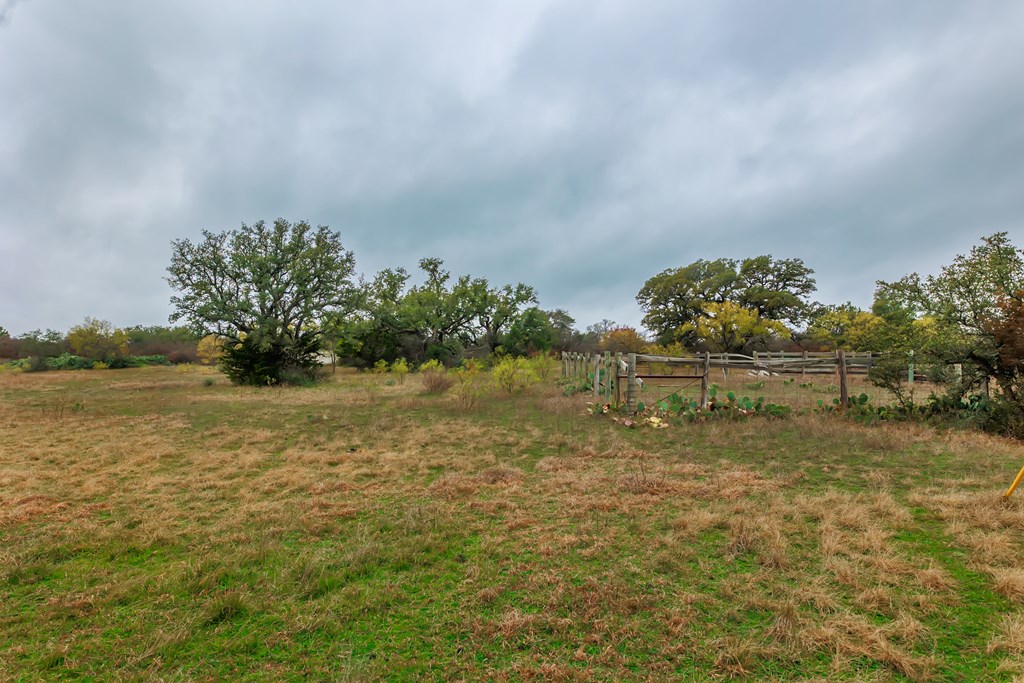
[(617, 377)]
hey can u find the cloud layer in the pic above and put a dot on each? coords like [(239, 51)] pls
[(578, 146)]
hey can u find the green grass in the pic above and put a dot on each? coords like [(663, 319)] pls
[(359, 531)]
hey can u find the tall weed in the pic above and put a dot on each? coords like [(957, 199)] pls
[(513, 374), (544, 366), (469, 385), (435, 377)]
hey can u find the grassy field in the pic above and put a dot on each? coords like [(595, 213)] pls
[(158, 523)]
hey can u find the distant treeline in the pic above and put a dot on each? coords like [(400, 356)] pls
[(98, 342)]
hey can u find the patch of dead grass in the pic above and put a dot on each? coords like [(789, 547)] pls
[(454, 486), (850, 635), (691, 523), (935, 578), (502, 474), (1008, 582), (1010, 636)]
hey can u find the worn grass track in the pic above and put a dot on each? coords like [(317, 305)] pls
[(155, 527)]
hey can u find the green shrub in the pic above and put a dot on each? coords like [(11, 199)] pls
[(995, 415), (69, 361), (156, 359), (1006, 418), (399, 369), (448, 352), (890, 373), (573, 386), (299, 377), (469, 385), (126, 362), (543, 366), (268, 363), (513, 374), (731, 407), (35, 364)]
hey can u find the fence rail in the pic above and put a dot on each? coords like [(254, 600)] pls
[(782, 363), (609, 373)]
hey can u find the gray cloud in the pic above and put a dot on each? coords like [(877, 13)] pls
[(6, 9), (578, 146)]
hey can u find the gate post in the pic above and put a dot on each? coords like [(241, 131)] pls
[(704, 388), (844, 390), (631, 388)]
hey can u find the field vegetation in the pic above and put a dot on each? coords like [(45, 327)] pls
[(160, 522), (451, 511)]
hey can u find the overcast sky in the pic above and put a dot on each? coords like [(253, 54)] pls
[(580, 147)]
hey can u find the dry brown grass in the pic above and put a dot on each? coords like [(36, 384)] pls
[(853, 636), (551, 544), (1009, 582), (436, 381), (935, 578), (1010, 636)]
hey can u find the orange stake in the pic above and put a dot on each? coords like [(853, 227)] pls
[(1013, 486)]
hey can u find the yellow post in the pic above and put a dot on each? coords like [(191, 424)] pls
[(1016, 482)]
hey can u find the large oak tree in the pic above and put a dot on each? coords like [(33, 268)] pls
[(967, 304), (265, 290), (675, 299)]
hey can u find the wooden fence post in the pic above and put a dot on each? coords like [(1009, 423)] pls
[(910, 370), (631, 382), (704, 388), (844, 391), (618, 368), (605, 366), (597, 374), (803, 369)]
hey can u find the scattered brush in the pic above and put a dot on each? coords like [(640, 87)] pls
[(435, 377), (64, 405), (643, 478), (469, 386), (513, 374)]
